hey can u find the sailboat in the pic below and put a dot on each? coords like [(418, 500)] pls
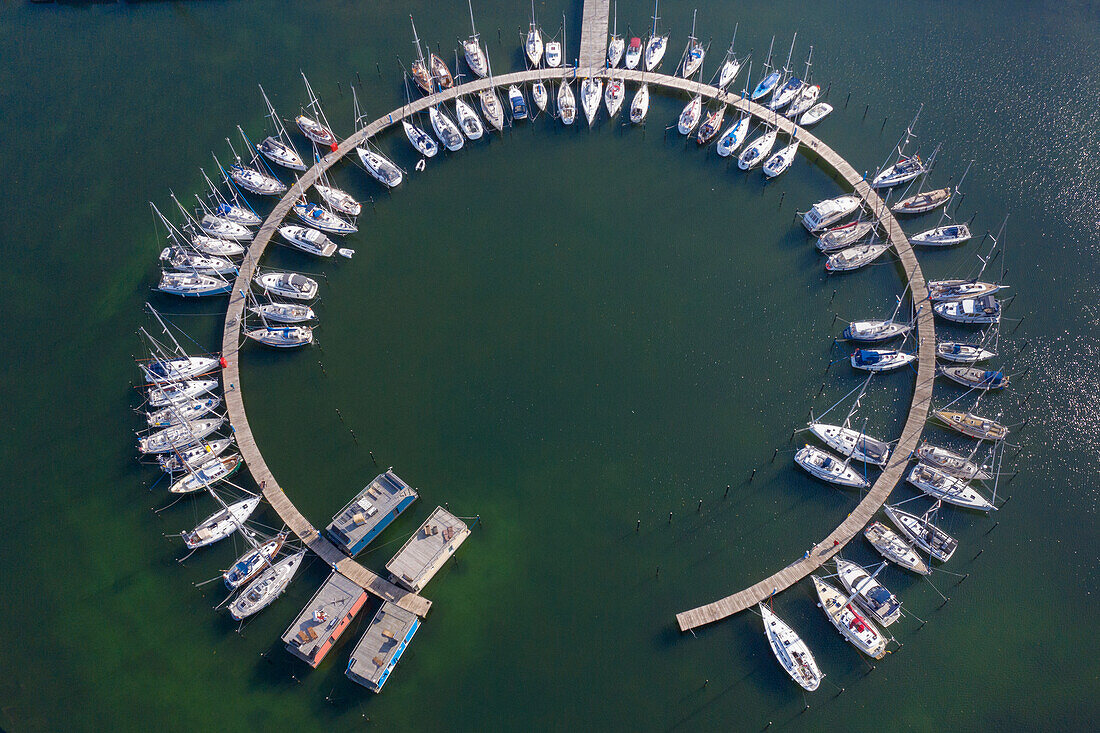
[(711, 125), (179, 436), (533, 46), (974, 378), (973, 426), (216, 226), (807, 95), (616, 45), (186, 458), (252, 562), (539, 94), (942, 236), (843, 236), (875, 331), (952, 463), (853, 258), (308, 240), (693, 54), (267, 586), (339, 200), (281, 337), (852, 443), (923, 533), (945, 487), (445, 128), (179, 413), (202, 243), (754, 154), (895, 549), (279, 148), (869, 594), (689, 117), (475, 56), (907, 167), (639, 107), (735, 135), (213, 471), (786, 91), (490, 104), (614, 94), (175, 393), (567, 104), (277, 312), (192, 284), (468, 119), (255, 177), (731, 65), (420, 71), (424, 143), (793, 654), (381, 168), (633, 53), (221, 523), (233, 208), (923, 202), (859, 631), (591, 89), (286, 285), (656, 45), (961, 353), (971, 311), (823, 465), (441, 73), (880, 360), (782, 160), (770, 79), (318, 216), (164, 370), (314, 125)]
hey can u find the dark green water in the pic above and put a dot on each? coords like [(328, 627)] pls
[(564, 331)]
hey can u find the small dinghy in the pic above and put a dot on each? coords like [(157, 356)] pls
[(567, 103), (468, 120), (208, 474), (827, 467), (591, 91), (308, 240), (614, 95), (859, 631), (540, 95), (816, 114), (221, 524), (253, 181), (985, 309), (284, 312), (422, 141), (216, 226), (856, 257), (517, 103), (951, 463), (923, 533), (975, 378), (349, 253), (282, 337), (182, 412), (175, 393), (181, 460), (689, 117), (633, 53), (640, 106), (869, 594), (942, 236), (880, 360), (895, 549), (267, 586), (944, 290), (848, 442), (164, 371), (553, 54), (781, 161), (192, 284), (875, 331), (805, 100), (844, 236), (216, 247), (287, 285), (962, 353), (442, 74), (339, 201), (945, 487), (177, 258), (711, 125), (906, 169), (755, 153), (491, 107), (179, 436), (445, 128), (825, 213), (252, 562), (923, 202), (734, 136), (317, 216), (381, 168), (793, 654), (972, 425)]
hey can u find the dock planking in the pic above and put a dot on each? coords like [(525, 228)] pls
[(686, 620), (594, 19)]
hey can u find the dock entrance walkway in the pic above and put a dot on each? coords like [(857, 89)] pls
[(918, 412)]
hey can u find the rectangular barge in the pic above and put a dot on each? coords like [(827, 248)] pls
[(370, 512), (324, 619), (382, 645), (427, 550)]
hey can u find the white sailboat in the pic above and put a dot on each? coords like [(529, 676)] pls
[(895, 549), (233, 208), (281, 337), (471, 47), (179, 413), (266, 587), (616, 45), (844, 236), (868, 593), (468, 119), (178, 437), (807, 94), (736, 133), (186, 458), (827, 467), (782, 160), (791, 652), (381, 168), (591, 89), (213, 471), (860, 632), (192, 284), (491, 106), (255, 177), (252, 562), (923, 533), (689, 117), (787, 90), (279, 148), (339, 200), (445, 128), (941, 485), (907, 167), (853, 258), (731, 65), (567, 103), (952, 463), (880, 360), (185, 260), (639, 107), (853, 443), (693, 54), (533, 45), (656, 45), (276, 312), (539, 94), (163, 371), (221, 523), (318, 216), (614, 94), (755, 153), (175, 393)]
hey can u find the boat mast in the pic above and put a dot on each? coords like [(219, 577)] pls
[(786, 66), (655, 19), (473, 28), (614, 23), (768, 61), (808, 57)]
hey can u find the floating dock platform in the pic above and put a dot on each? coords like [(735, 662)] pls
[(427, 550), (382, 645), (370, 512), (324, 618)]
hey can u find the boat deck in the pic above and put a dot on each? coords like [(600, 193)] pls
[(339, 599), (378, 651), (370, 512), (427, 550)]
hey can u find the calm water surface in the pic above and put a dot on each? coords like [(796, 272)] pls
[(566, 332)]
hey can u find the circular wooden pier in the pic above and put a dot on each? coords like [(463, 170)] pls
[(705, 614)]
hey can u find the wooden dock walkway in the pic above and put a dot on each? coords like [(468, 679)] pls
[(597, 35)]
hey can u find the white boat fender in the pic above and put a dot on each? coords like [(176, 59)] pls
[(345, 252), (421, 164)]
